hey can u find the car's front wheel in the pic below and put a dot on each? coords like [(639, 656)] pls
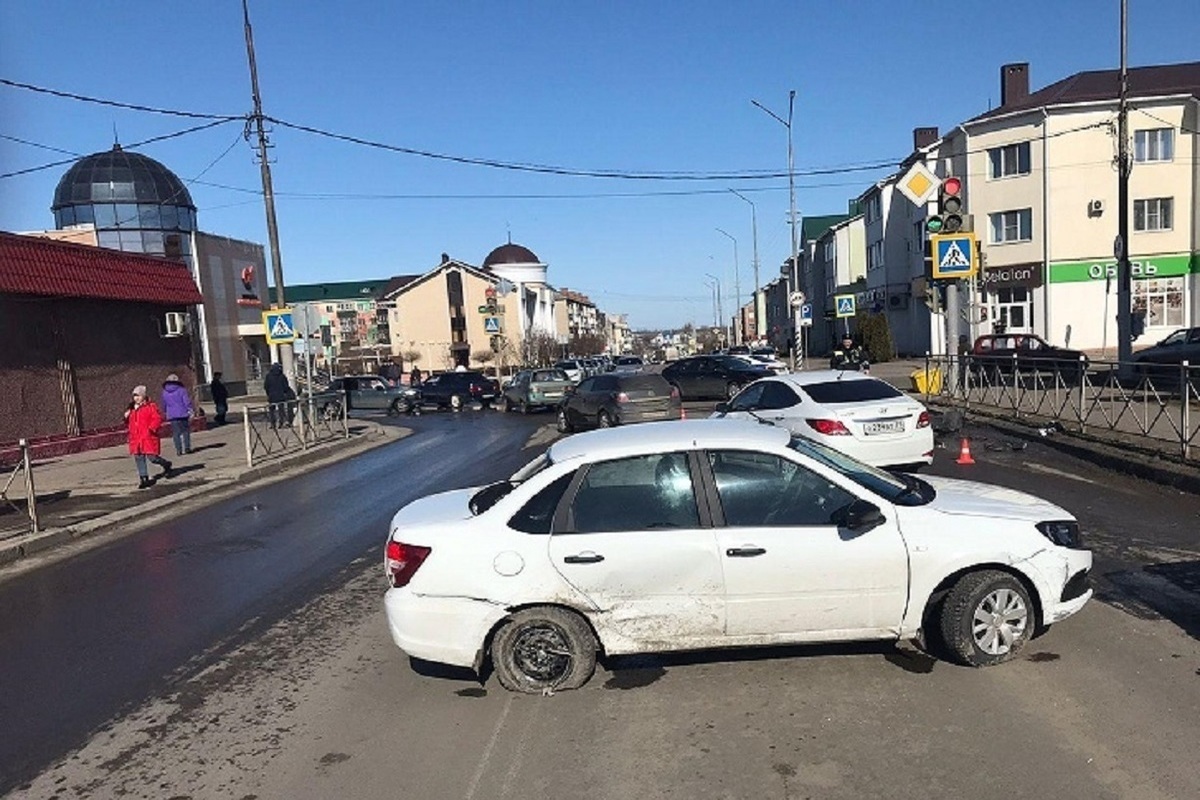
[(456, 402), (564, 422), (544, 649), (731, 390), (603, 420), (986, 618)]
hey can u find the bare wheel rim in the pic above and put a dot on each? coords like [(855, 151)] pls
[(542, 652), (604, 421), (999, 621), (731, 390), (562, 420), (455, 402)]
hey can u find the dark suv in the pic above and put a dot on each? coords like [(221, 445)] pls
[(718, 376), (603, 401), (1024, 352), (455, 389)]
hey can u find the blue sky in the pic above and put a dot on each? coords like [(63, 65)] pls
[(631, 86)]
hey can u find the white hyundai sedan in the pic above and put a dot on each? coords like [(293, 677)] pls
[(700, 534), (861, 416)]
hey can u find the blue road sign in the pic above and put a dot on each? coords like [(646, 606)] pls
[(491, 324), (806, 314), (843, 305), (279, 326), (954, 255)]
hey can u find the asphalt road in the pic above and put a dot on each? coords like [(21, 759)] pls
[(241, 651)]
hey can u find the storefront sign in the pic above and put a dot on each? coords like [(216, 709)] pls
[(1140, 268), (1014, 275)]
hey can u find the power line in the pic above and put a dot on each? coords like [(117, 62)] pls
[(116, 103)]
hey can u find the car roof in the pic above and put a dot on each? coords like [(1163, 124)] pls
[(660, 437), (809, 377)]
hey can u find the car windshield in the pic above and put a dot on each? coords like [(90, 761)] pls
[(851, 391), (903, 490), (763, 351), (1178, 337), (489, 495)]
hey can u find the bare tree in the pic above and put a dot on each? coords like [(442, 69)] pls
[(411, 356), (483, 356), (587, 344)]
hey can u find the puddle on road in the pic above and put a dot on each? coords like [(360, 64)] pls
[(1042, 658), (634, 678), (473, 691)]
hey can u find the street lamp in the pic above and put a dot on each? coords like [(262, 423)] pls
[(720, 309), (791, 195), (759, 322), (737, 288)]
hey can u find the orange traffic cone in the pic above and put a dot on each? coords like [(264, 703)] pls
[(964, 453)]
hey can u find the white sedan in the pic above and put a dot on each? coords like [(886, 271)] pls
[(862, 416), (701, 534)]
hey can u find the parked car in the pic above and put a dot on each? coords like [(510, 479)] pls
[(453, 390), (1025, 352), (367, 392), (536, 388), (573, 369), (768, 356), (627, 364), (723, 376), (712, 533), (854, 413), (603, 401), (1163, 359)]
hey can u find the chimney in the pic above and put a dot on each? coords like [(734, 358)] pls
[(1014, 83), (445, 258), (923, 137)]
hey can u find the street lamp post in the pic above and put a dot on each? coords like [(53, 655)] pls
[(737, 288), (720, 308), (759, 322), (791, 202)]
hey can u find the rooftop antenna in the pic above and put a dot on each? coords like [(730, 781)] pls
[(116, 139)]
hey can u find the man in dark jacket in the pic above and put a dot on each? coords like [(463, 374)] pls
[(849, 356), (220, 396), (277, 389)]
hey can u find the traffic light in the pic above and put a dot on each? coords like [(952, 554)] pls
[(490, 300), (949, 218)]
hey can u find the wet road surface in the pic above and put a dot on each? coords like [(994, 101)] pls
[(284, 682)]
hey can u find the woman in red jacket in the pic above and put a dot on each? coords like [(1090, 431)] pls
[(144, 420)]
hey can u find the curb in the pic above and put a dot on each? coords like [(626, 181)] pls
[(227, 483), (1167, 473)]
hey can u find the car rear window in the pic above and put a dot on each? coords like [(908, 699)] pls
[(642, 382), (628, 360), (852, 391), (549, 375)]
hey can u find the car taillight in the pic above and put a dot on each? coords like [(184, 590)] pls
[(829, 427), (476, 388), (401, 561), (622, 397), (923, 420)]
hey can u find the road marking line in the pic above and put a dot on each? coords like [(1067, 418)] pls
[(487, 751), (1059, 472)]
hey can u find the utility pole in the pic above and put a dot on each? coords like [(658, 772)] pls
[(1121, 245), (285, 352), (759, 322), (737, 288), (795, 276), (720, 306)]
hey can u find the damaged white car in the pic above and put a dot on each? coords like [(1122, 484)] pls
[(714, 533)]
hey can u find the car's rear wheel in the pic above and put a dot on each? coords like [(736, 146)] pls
[(731, 390), (986, 618), (456, 402), (543, 649), (564, 422), (394, 409), (603, 420), (523, 406)]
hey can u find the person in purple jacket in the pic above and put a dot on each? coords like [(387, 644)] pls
[(177, 407)]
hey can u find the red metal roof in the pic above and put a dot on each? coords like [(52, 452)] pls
[(33, 265)]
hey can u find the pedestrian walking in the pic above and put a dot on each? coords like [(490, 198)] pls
[(277, 389), (220, 396), (144, 420), (177, 405), (414, 377)]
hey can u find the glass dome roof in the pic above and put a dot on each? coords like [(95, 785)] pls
[(117, 175)]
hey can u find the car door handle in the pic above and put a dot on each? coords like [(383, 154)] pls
[(745, 552), (584, 558)]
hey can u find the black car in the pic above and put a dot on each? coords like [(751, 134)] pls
[(603, 401), (455, 389), (1024, 352), (1164, 359), (716, 376)]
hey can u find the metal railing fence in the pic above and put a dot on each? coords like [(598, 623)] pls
[(272, 429), (24, 468)]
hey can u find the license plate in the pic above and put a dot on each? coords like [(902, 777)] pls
[(872, 428), (552, 394)]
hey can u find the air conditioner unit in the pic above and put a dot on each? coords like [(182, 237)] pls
[(1095, 208), (897, 302), (176, 324)]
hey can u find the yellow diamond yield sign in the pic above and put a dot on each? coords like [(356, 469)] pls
[(918, 184)]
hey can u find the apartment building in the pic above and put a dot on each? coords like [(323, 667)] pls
[(839, 257)]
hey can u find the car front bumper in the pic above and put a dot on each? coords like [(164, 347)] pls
[(1060, 576), (446, 630)]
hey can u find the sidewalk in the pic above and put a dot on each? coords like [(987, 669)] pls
[(85, 492)]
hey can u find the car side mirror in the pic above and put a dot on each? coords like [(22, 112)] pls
[(722, 408), (859, 517)]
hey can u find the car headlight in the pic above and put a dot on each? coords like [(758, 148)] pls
[(1064, 533)]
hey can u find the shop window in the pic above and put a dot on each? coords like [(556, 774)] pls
[(1162, 301)]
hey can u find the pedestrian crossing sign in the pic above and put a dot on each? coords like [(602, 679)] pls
[(279, 326), (491, 325), (954, 255), (843, 305)]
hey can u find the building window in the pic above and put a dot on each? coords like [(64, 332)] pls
[(1012, 226), (1152, 215), (1007, 161), (1162, 301), (1154, 145), (875, 255), (919, 236), (829, 251), (874, 208)]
